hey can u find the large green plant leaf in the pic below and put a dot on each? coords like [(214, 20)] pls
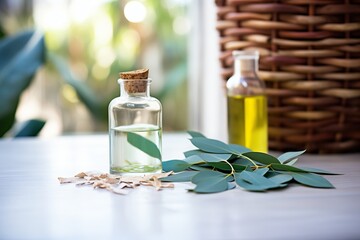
[(83, 91), (144, 145), (20, 57), (30, 128), (176, 76)]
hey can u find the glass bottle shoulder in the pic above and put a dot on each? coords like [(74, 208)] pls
[(136, 103), (245, 85)]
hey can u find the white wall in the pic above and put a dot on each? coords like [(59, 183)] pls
[(206, 94)]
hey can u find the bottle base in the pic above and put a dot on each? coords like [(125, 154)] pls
[(135, 171)]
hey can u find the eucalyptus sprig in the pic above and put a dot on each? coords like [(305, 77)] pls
[(215, 166)]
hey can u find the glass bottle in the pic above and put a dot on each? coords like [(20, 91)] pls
[(247, 103), (137, 112)]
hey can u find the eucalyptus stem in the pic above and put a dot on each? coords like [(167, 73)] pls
[(250, 160), (232, 168), (266, 166)]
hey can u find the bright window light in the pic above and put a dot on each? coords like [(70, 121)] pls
[(135, 11)]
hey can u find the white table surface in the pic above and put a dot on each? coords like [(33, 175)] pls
[(33, 205)]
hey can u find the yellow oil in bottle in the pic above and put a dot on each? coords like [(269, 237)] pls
[(247, 122)]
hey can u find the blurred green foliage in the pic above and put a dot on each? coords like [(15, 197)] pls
[(21, 56), (97, 42), (127, 46)]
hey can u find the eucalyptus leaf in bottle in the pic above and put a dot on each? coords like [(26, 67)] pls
[(247, 103), (135, 113)]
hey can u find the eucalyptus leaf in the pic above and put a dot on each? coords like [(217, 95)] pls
[(238, 149), (261, 157), (291, 162), (243, 161), (204, 175), (272, 173), (195, 134), (238, 167), (210, 157), (193, 152), (221, 166), (210, 145), (175, 165), (202, 167), (194, 159), (231, 185), (311, 179), (261, 171), (215, 165), (248, 186), (282, 167), (211, 186), (281, 178), (257, 179), (288, 156), (319, 171), (144, 145), (210, 182), (185, 176)]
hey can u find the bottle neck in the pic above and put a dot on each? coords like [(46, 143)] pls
[(134, 88), (245, 67)]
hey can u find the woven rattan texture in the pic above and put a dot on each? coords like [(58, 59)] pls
[(310, 62)]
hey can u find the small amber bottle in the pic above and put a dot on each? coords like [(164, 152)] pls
[(247, 103), (135, 111)]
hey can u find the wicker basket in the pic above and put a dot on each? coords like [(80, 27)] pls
[(310, 61)]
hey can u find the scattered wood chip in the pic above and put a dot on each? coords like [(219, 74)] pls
[(115, 183), (68, 180), (118, 190), (81, 175)]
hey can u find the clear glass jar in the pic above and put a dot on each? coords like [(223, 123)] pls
[(247, 103), (137, 112)]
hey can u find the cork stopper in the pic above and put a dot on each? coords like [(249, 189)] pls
[(134, 80)]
